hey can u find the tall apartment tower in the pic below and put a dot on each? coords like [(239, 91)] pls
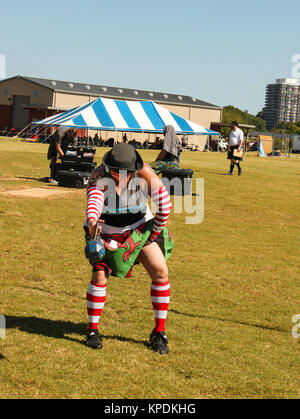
[(282, 102)]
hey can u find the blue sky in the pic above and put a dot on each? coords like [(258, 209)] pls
[(221, 52)]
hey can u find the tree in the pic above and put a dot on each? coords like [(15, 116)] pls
[(288, 128), (231, 113)]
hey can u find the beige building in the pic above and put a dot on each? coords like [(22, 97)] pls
[(27, 99)]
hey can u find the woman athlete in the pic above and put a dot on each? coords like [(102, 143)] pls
[(117, 196)]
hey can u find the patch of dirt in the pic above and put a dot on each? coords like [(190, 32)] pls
[(37, 192), (8, 178)]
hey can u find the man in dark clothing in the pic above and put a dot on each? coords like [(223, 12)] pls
[(235, 143), (58, 146)]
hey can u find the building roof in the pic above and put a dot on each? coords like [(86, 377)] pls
[(228, 125), (116, 92)]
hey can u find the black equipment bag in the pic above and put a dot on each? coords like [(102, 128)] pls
[(178, 181), (72, 178), (76, 166)]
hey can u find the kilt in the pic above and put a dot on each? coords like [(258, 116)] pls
[(230, 153), (123, 249)]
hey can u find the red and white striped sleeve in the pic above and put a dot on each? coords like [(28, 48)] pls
[(162, 200), (95, 202)]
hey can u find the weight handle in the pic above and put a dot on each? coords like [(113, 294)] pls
[(96, 230)]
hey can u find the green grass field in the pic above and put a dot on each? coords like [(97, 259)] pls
[(235, 286)]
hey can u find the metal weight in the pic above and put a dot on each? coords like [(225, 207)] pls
[(94, 249)]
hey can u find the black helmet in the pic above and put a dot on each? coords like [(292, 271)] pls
[(123, 157)]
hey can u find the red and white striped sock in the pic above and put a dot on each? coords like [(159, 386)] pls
[(95, 300), (160, 298)]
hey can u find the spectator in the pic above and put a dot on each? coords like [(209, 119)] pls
[(96, 140), (59, 142), (235, 143), (184, 140), (171, 151)]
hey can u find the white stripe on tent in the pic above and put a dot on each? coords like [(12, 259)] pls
[(44, 121), (58, 117), (68, 122), (48, 120), (166, 117), (196, 127), (140, 115), (51, 119), (114, 113), (90, 117)]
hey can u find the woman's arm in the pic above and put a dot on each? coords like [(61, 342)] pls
[(159, 195), (59, 150), (161, 155), (95, 202), (241, 139)]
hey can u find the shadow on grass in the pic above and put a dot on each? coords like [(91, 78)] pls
[(59, 329), (43, 179), (123, 339), (214, 173), (259, 326)]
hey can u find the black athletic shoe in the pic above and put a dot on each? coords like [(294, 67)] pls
[(240, 171), (229, 174), (159, 342), (93, 340)]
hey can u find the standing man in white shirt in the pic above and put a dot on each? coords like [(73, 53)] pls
[(235, 143)]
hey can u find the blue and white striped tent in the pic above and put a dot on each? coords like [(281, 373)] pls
[(124, 115)]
